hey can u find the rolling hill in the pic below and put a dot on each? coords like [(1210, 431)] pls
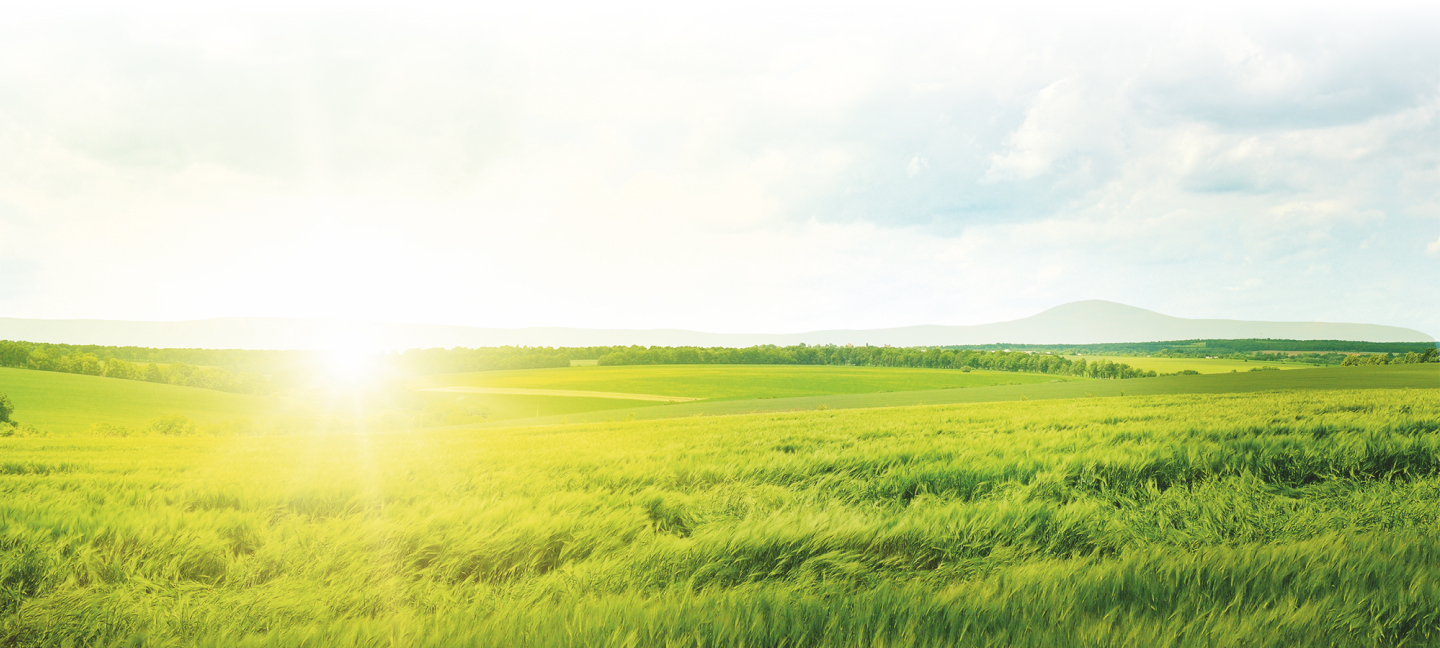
[(1082, 322)]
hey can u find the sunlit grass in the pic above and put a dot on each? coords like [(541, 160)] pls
[(1267, 519), (71, 404)]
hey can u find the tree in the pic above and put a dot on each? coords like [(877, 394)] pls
[(6, 409)]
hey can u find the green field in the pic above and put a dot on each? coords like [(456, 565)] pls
[(1202, 365), (67, 404), (510, 407), (1421, 376), (723, 387), (1307, 517), (70, 403), (735, 382)]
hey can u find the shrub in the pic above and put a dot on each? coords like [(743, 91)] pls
[(177, 425), (110, 430)]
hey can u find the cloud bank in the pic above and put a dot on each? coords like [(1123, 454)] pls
[(746, 168)]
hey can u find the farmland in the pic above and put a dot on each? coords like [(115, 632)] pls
[(735, 382), (1278, 518), (67, 404), (1392, 377), (722, 389)]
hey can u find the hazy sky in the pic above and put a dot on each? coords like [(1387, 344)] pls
[(755, 168)]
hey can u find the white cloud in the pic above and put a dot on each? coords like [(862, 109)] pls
[(1067, 121), (657, 166), (1433, 248)]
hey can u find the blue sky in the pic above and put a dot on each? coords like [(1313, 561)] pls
[(755, 168)]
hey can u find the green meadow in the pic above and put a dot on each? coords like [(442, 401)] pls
[(722, 388), (1271, 518), (70, 403), (1420, 376), (733, 382), (452, 408), (784, 506)]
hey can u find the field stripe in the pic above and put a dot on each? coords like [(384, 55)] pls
[(515, 391)]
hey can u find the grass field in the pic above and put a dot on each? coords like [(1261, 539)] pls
[(509, 407), (1264, 519), (734, 382), (1423, 376), (716, 384), (70, 403), (1173, 365)]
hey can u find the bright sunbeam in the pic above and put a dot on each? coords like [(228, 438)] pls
[(349, 367), (350, 361)]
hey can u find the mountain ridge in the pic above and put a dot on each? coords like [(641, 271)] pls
[(1081, 322)]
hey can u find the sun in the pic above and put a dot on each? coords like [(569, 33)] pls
[(349, 366), (350, 362)]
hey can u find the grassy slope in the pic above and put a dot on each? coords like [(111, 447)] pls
[(1172, 365), (67, 404), (70, 403), (734, 382), (1390, 377), (507, 407), (1280, 519)]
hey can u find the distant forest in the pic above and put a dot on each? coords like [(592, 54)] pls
[(869, 356), (271, 372), (1307, 351), (266, 372)]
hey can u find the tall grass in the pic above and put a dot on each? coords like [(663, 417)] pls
[(1302, 518)]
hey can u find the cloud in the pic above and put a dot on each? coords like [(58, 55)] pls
[(692, 166), (1433, 248), (916, 165), (1069, 128)]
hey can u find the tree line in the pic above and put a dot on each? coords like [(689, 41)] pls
[(70, 359), (1307, 351), (870, 356), (267, 372), (1430, 355), (460, 359)]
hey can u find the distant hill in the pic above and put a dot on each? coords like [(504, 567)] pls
[(1083, 322)]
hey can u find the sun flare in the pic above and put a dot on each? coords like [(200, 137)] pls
[(349, 367)]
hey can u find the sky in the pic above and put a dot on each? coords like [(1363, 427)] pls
[(763, 167)]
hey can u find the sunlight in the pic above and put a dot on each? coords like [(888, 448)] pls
[(349, 366), (349, 360)]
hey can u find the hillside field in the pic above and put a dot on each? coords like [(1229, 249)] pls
[(70, 404), (1259, 519)]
